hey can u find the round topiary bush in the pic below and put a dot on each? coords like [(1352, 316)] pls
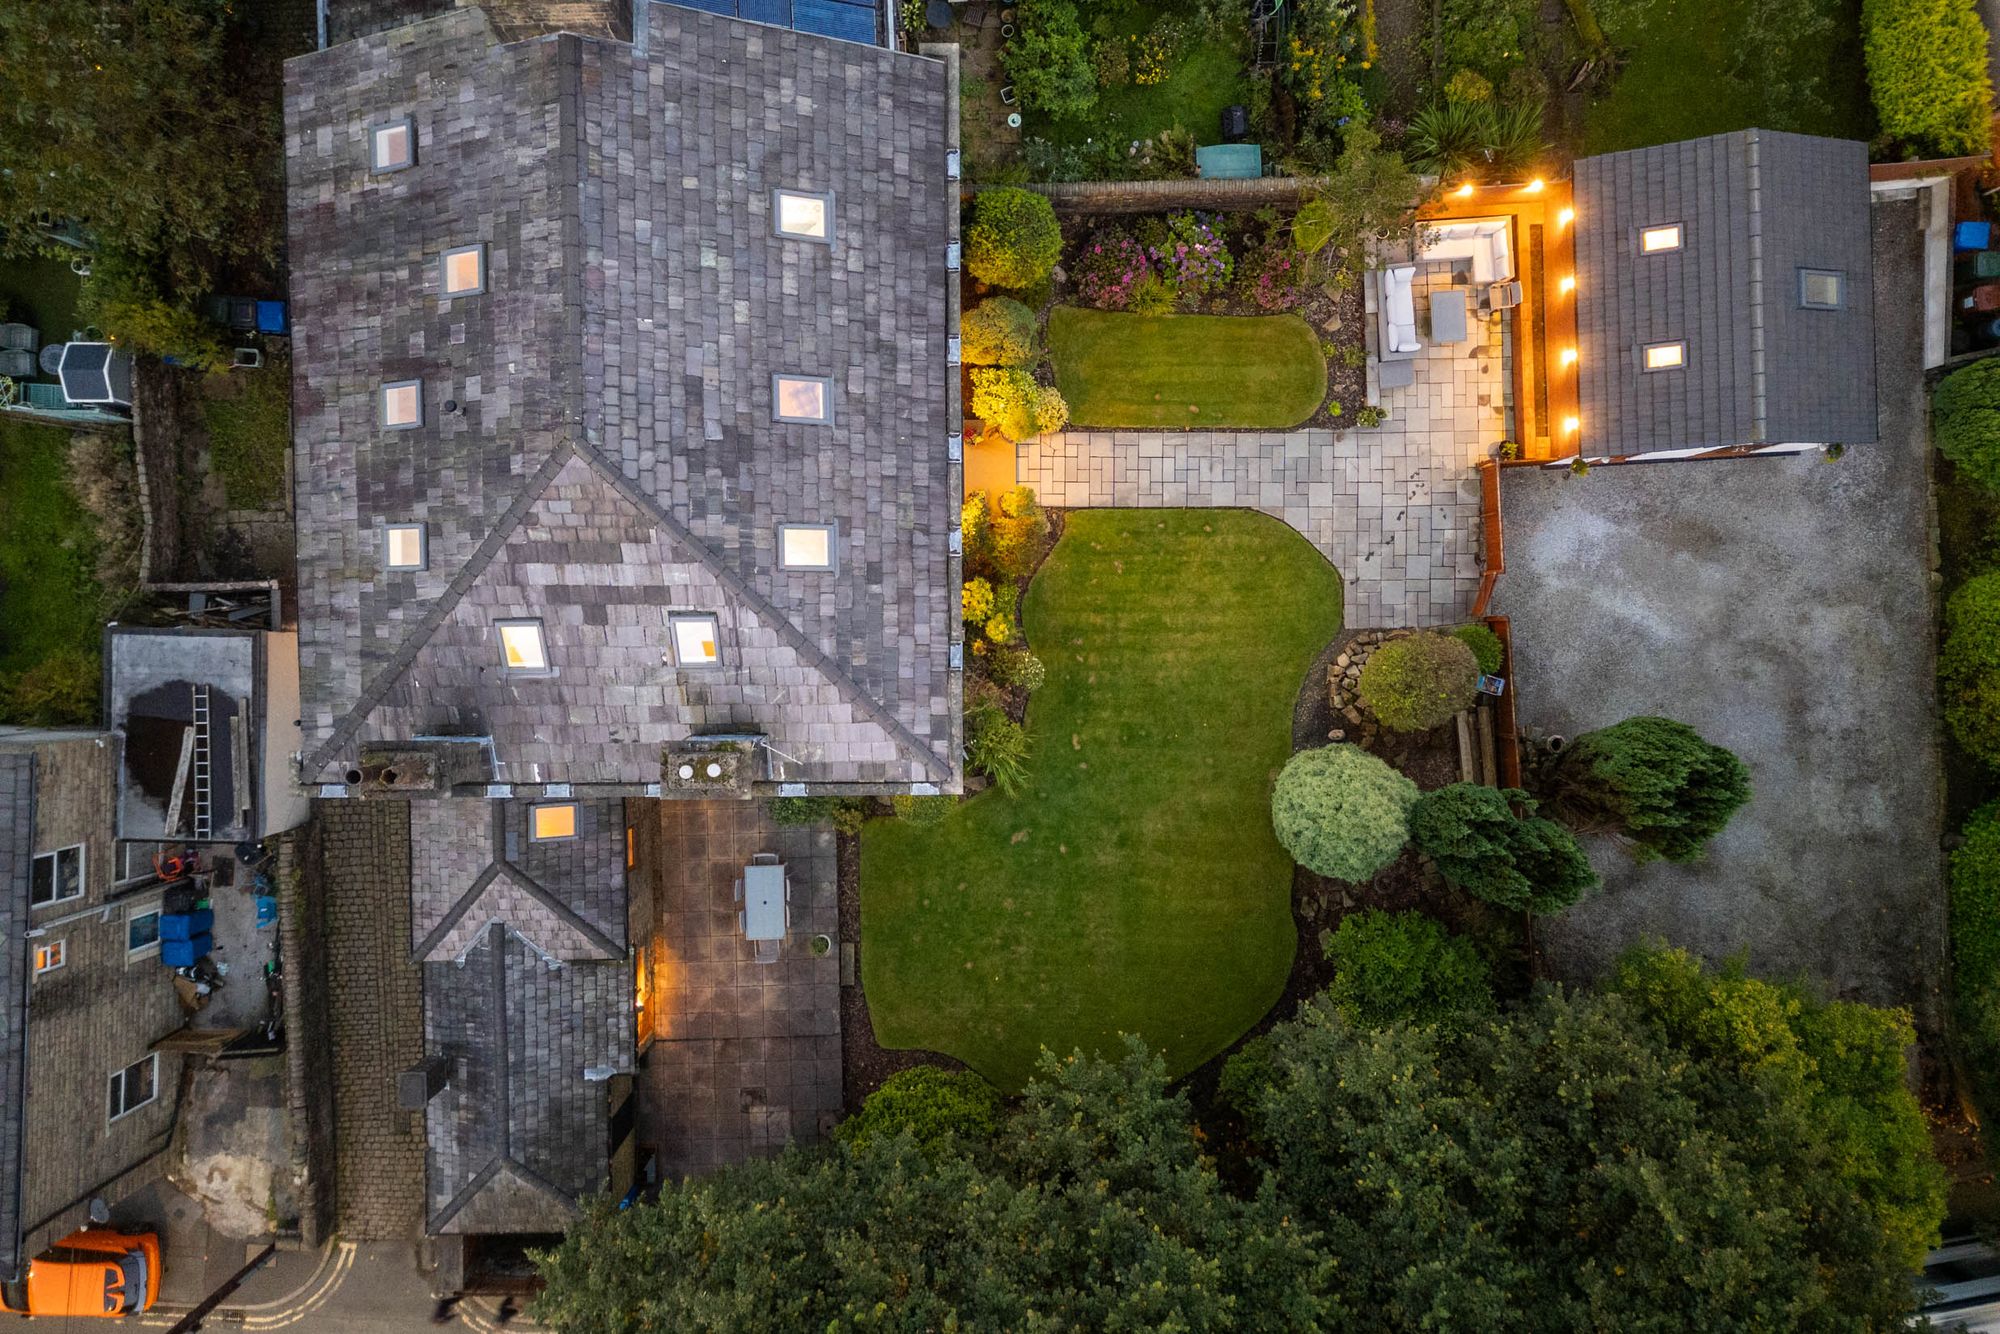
[(1419, 682), (1485, 646), (1392, 968), (999, 331), (938, 1108), (1965, 421), (1010, 400), (1341, 812), (1019, 667), (1014, 239), (1969, 667)]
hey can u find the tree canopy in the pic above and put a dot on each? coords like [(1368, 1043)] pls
[(1656, 782), (1483, 847)]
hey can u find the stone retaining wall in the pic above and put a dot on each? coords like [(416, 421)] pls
[(1238, 196)]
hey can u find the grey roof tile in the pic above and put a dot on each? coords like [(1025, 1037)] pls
[(17, 854)]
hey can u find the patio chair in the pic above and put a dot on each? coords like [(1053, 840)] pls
[(767, 951), (1501, 296), (20, 337), (766, 859), (17, 364), (739, 889)]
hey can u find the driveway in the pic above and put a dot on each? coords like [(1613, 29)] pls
[(1784, 608)]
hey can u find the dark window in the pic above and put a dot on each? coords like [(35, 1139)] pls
[(56, 876), (134, 1086)]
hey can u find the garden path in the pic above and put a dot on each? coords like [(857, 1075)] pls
[(1395, 507)]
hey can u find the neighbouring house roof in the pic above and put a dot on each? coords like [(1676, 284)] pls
[(523, 946), (17, 853), (611, 454), (1755, 207)]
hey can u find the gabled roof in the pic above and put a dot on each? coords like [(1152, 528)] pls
[(612, 453), (1755, 207)]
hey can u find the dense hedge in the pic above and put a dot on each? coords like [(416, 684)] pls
[(999, 331), (1014, 239), (1975, 951), (1392, 968), (1969, 667), (1485, 645), (1965, 421), (1927, 71), (939, 1108), (1341, 812)]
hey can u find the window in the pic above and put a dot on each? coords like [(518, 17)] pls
[(135, 860), (802, 398), (134, 1086), (142, 932), (1822, 289), (805, 546), (548, 823), (522, 649), (56, 876), (403, 546), (1664, 356), (695, 640), (393, 146), (1653, 240), (805, 217), (403, 404), (464, 270), (50, 955)]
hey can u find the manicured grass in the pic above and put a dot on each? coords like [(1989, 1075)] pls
[(49, 596), (249, 415), (1263, 371), (1692, 70), (1204, 78), (1135, 886)]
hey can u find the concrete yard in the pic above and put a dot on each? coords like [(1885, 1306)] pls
[(1784, 608)]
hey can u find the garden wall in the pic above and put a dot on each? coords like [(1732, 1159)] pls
[(1222, 196)]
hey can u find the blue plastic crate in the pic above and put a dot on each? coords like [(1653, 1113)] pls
[(272, 318), (1971, 235), (186, 925), (183, 953)]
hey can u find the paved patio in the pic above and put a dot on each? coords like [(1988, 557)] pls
[(746, 1056), (1395, 508)]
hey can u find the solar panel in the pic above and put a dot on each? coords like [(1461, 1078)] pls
[(778, 12), (833, 18)]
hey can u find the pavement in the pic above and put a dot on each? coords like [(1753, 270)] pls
[(1784, 607)]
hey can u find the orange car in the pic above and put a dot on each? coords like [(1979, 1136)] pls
[(92, 1272)]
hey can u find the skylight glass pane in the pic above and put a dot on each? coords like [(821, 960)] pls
[(803, 215), (549, 822), (801, 399), (1665, 356), (403, 404), (521, 642), (1655, 239), (464, 270), (695, 641), (392, 146), (805, 546), (406, 546), (1820, 288)]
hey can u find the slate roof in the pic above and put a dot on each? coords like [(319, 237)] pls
[(525, 985), (1755, 208), (613, 454), (17, 854)]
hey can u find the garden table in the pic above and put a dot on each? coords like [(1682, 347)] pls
[(1448, 315), (764, 902)]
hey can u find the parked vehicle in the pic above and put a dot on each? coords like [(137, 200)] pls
[(95, 1272)]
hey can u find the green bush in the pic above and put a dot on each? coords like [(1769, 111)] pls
[(1965, 421), (1155, 294), (975, 522), (1655, 781), (1485, 646), (1009, 399), (1481, 846), (938, 1108), (1014, 238), (1341, 812), (847, 814), (1927, 72), (1418, 682), (923, 811), (1392, 968), (1020, 531), (999, 331), (1975, 952), (1969, 666), (976, 603), (1018, 667), (1248, 1072), (1049, 60), (59, 691), (998, 747)]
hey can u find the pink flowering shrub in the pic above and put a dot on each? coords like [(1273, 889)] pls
[(1272, 276), (1109, 267), (1194, 256)]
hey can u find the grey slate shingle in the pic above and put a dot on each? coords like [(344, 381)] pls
[(17, 854)]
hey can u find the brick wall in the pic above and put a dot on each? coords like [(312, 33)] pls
[(96, 1014)]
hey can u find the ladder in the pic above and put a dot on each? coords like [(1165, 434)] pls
[(204, 794), (1270, 22)]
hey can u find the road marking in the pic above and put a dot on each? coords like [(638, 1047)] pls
[(303, 1307)]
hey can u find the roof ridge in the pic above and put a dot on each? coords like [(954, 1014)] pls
[(743, 590), (455, 914)]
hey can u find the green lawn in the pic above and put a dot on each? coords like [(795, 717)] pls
[(249, 416), (1255, 372), (1204, 78), (1691, 69), (1136, 885), (49, 596)]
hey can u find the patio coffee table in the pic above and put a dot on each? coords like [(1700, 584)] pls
[(1448, 315)]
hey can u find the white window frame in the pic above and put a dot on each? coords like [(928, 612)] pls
[(825, 199), (832, 561), (54, 858), (1646, 351), (423, 560), (1807, 273), (575, 822), (679, 618), (445, 289), (409, 128), (1651, 230), (500, 629), (155, 910), (825, 382), (382, 405), (118, 1079), (56, 949)]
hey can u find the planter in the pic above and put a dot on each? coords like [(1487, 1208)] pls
[(820, 946)]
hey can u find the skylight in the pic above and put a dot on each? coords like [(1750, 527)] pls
[(1822, 289), (697, 639), (802, 216), (465, 270), (1665, 356), (403, 546), (549, 823), (802, 398), (805, 546), (1653, 240), (393, 146), (522, 650), (403, 404)]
